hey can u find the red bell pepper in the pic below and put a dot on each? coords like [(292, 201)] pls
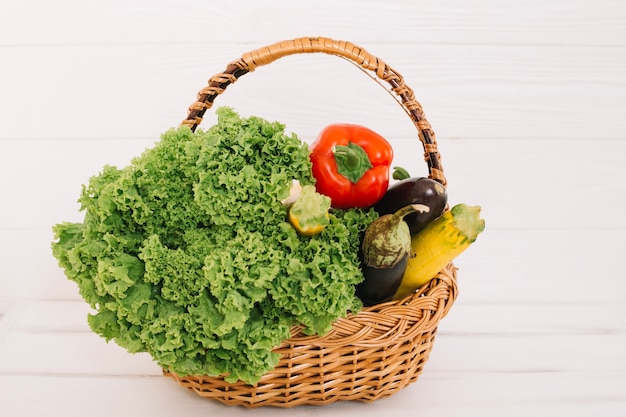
[(351, 165)]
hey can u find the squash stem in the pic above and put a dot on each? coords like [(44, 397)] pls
[(467, 220)]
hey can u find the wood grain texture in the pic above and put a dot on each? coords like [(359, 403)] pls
[(477, 91), (536, 22), (561, 177), (528, 100), (491, 373)]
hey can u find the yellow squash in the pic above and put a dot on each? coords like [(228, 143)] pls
[(438, 244)]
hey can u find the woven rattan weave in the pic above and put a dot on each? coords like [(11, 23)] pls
[(368, 355)]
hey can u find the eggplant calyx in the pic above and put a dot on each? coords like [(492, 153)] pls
[(400, 173)]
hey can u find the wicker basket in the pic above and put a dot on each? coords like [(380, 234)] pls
[(366, 356)]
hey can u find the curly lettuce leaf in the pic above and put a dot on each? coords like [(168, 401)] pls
[(186, 253)]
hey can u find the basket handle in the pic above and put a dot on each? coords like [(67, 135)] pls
[(357, 55)]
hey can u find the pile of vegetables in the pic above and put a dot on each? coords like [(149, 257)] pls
[(414, 238), (211, 245)]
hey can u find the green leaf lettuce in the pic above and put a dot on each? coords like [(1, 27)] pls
[(186, 253)]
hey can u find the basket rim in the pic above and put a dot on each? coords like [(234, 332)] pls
[(391, 321)]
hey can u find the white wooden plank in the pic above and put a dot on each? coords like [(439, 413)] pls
[(75, 353), (527, 338), (532, 319), (192, 21), (85, 353), (577, 394), (549, 184), (478, 91), (534, 184), (50, 316), (512, 394), (492, 371), (551, 267), (29, 271), (37, 174), (531, 354), (31, 396)]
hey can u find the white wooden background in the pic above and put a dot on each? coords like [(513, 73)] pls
[(528, 99)]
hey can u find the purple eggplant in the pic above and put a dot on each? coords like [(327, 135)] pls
[(385, 251), (380, 284), (414, 190)]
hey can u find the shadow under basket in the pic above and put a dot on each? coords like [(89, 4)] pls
[(368, 355)]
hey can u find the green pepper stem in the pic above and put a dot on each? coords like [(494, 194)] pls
[(352, 161)]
